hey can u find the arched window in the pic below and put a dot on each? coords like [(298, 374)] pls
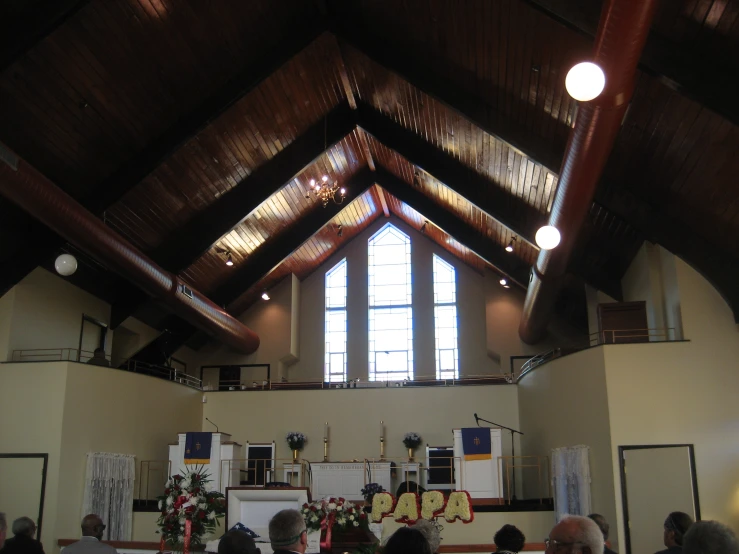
[(390, 312), (445, 320), (335, 332)]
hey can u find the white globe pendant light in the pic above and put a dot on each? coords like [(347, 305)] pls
[(585, 81), (547, 237), (65, 265)]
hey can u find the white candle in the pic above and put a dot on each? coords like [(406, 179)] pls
[(382, 430), (325, 430)]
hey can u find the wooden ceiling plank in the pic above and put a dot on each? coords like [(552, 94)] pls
[(453, 173), (663, 59), (277, 249), (416, 72), (462, 232)]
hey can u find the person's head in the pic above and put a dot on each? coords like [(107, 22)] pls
[(287, 531), (237, 542), (3, 528), (710, 537), (99, 353), (509, 538), (407, 540), (676, 525), (575, 535), (93, 526), (431, 532), (24, 526), (601, 522)]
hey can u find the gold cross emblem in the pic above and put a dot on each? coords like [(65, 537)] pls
[(197, 446), (476, 440), (187, 451)]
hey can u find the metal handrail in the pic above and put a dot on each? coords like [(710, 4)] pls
[(599, 337), (536, 361)]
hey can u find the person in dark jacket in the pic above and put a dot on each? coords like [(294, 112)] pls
[(676, 525), (604, 528), (23, 542)]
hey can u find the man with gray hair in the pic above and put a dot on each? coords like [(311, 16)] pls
[(288, 533), (92, 534), (3, 528), (710, 537), (574, 535), (23, 542)]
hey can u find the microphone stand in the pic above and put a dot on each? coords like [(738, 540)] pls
[(513, 449)]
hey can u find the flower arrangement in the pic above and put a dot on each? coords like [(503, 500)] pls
[(334, 512), (412, 440), (186, 498), (296, 440), (370, 490)]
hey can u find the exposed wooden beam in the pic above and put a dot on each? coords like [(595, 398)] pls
[(465, 234), (132, 172), (33, 24), (44, 243), (418, 72), (366, 149), (509, 210), (706, 79), (344, 75), (383, 201), (270, 254), (183, 247)]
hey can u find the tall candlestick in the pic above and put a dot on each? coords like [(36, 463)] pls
[(325, 430)]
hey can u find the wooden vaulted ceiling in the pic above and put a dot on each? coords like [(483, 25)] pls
[(194, 128)]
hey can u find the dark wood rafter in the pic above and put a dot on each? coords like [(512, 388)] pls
[(44, 244), (510, 211), (488, 250), (712, 86), (416, 71), (20, 34), (383, 202), (275, 250), (185, 246)]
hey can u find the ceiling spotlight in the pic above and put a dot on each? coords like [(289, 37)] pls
[(65, 265), (503, 281), (265, 296), (423, 227), (509, 248), (229, 261), (585, 81), (506, 286), (547, 237), (324, 178), (340, 230)]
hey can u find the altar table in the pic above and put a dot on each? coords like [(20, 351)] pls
[(347, 479)]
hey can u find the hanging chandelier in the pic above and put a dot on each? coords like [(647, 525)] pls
[(326, 192)]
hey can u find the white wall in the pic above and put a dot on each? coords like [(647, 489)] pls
[(685, 392), (565, 403), (47, 313)]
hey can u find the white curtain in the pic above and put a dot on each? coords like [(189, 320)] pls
[(571, 480), (109, 492)]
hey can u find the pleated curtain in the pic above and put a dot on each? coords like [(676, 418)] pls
[(571, 480), (109, 483)]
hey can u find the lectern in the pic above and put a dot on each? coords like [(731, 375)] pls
[(225, 460), (478, 477)]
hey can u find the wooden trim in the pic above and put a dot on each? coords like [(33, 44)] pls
[(444, 549)]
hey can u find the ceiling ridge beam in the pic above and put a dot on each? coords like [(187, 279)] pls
[(421, 75), (485, 248), (485, 194), (273, 252)]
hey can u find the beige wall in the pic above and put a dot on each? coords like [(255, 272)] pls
[(565, 403), (70, 409), (47, 313), (31, 409), (6, 317), (354, 416), (131, 336), (684, 393)]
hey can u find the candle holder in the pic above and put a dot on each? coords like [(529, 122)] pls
[(382, 448), (325, 449)]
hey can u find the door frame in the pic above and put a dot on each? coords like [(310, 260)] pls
[(622, 472), (45, 458), (103, 332)]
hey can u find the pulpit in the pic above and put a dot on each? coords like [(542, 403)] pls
[(224, 472), (480, 478)]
